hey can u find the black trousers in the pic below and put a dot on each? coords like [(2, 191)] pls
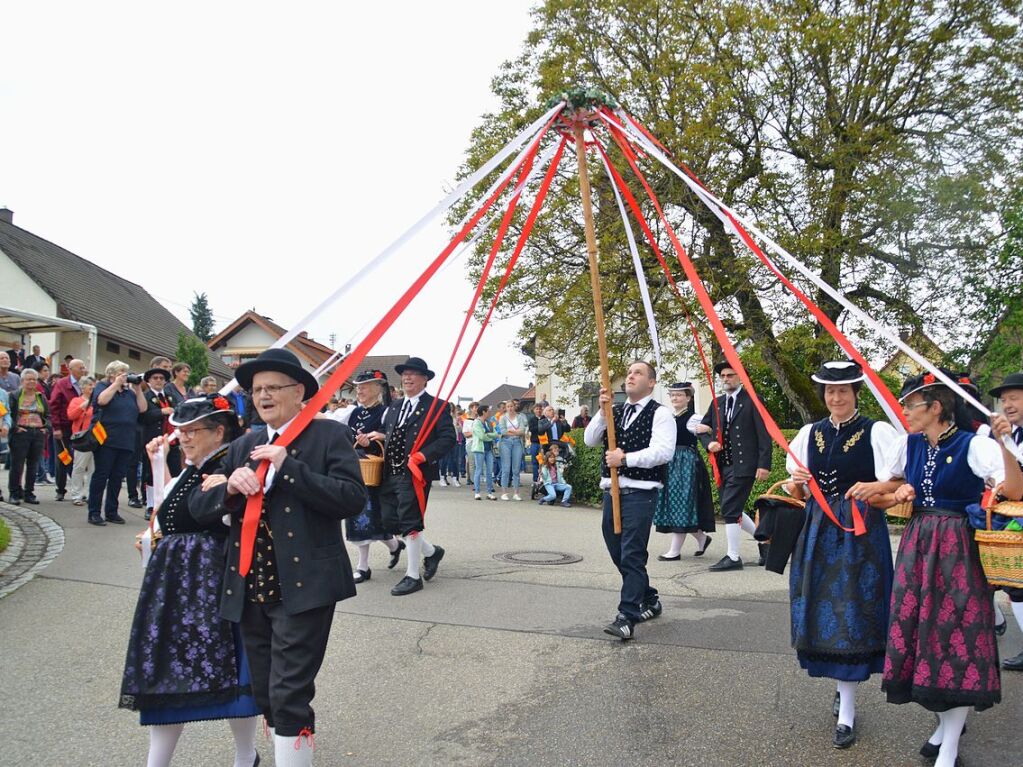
[(285, 654), (131, 474), (734, 493), (26, 450), (399, 505), (61, 472)]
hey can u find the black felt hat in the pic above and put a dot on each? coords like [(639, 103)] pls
[(1012, 381), (197, 408), (278, 361), (838, 372), (371, 375), (927, 380), (154, 372), (417, 365), (680, 386), (722, 366)]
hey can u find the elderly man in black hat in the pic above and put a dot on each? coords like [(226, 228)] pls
[(300, 569), (1010, 397), (399, 502), (743, 455), (155, 423)]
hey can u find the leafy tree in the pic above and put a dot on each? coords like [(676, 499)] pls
[(202, 317), (193, 352), (870, 138)]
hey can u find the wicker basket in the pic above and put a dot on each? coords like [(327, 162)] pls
[(901, 510), (372, 470), (788, 500), (1001, 551)]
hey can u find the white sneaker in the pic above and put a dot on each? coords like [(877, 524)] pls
[(504, 496), (477, 496), (454, 482), (516, 497), (443, 483), (491, 496)]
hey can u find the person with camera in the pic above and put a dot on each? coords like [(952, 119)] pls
[(118, 401)]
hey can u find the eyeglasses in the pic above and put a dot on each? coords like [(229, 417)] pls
[(271, 389), (190, 433), (915, 405)]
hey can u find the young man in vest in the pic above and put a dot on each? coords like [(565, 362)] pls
[(645, 436)]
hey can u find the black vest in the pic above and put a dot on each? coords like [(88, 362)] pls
[(636, 437)]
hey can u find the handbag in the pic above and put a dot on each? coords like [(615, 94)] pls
[(89, 440)]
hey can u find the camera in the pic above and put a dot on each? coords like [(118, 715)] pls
[(134, 378)]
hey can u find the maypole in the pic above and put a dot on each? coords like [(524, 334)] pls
[(585, 103)]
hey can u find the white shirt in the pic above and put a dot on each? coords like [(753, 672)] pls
[(271, 433), (659, 452), (882, 439), (984, 457), (410, 408), (342, 414)]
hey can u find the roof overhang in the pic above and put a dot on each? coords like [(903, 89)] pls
[(26, 322)]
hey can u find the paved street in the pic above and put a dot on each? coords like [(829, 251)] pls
[(494, 663)]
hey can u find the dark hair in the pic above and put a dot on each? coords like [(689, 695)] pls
[(179, 367), (944, 397), (481, 409), (856, 386), (232, 429), (650, 368)]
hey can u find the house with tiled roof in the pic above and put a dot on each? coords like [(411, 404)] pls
[(253, 333), (69, 305)]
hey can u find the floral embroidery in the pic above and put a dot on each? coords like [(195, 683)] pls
[(852, 440), (819, 438)]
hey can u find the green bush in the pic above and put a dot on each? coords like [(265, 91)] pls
[(583, 474), (5, 536)]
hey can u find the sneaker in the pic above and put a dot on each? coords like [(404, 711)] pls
[(650, 610), (543, 501), (60, 496), (505, 497), (516, 497), (567, 504), (491, 496), (476, 496), (621, 628), (454, 482), (443, 482), (135, 503), (30, 498)]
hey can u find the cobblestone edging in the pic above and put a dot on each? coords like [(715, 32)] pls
[(36, 540)]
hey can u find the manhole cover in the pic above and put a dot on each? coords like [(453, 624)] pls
[(539, 557)]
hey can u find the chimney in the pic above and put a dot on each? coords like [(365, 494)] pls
[(7, 215)]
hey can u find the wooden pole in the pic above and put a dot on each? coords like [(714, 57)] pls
[(598, 312)]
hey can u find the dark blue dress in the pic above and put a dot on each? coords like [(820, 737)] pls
[(368, 525), (184, 662), (840, 583)]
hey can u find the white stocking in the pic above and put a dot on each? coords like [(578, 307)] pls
[(244, 731), (954, 721), (847, 703), (413, 555), (936, 736), (292, 751), (163, 739), (428, 548), (677, 539), (999, 615), (1017, 610), (150, 496), (363, 557), (701, 538), (391, 544), (732, 533), (747, 523)]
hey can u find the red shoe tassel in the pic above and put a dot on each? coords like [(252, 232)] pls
[(308, 735)]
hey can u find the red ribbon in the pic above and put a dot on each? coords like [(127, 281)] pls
[(434, 414), (859, 528), (254, 503)]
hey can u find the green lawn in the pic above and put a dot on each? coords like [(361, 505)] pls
[(5, 536)]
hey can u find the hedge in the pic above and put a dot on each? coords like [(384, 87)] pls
[(583, 473)]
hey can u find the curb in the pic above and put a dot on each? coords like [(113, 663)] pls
[(36, 540)]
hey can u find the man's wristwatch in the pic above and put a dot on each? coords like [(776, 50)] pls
[(625, 463)]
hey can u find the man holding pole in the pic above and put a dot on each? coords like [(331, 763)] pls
[(645, 434)]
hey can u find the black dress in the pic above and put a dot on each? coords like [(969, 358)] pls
[(367, 526), (184, 662)]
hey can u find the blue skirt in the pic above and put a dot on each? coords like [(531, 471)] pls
[(840, 587)]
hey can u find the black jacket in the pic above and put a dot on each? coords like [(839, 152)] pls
[(750, 443), (152, 420), (439, 441), (318, 485)]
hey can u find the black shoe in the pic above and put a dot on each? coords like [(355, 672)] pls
[(621, 628), (430, 563), (929, 751), (396, 555), (726, 563), (407, 585), (762, 547), (663, 558), (836, 705), (650, 610), (96, 519), (1001, 628), (256, 763), (115, 519), (149, 514), (845, 736), (60, 496), (362, 575), (30, 498), (1015, 663), (135, 503), (15, 499), (706, 545)]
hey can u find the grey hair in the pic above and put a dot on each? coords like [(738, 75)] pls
[(29, 372), (117, 367), (86, 381)]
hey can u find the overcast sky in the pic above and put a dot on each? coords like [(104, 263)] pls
[(260, 152)]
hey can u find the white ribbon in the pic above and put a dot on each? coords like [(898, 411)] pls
[(527, 134), (717, 206), (638, 264), (159, 464)]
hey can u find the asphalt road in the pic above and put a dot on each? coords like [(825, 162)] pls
[(494, 663)]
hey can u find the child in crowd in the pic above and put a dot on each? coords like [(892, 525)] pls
[(551, 477)]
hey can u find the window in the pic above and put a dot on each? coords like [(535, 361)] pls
[(113, 348), (134, 354)]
